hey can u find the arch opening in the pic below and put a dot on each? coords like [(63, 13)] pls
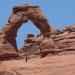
[(23, 31)]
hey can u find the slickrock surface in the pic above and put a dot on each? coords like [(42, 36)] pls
[(50, 65)]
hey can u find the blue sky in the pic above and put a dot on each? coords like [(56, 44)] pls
[(60, 13)]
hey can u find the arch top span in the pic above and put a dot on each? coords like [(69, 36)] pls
[(24, 7), (23, 13), (34, 14)]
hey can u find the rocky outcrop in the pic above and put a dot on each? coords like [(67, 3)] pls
[(63, 42), (66, 40)]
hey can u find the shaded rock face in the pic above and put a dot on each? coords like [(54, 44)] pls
[(21, 14)]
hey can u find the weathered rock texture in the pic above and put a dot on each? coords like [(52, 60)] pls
[(20, 15)]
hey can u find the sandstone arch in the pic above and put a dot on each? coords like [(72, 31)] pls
[(20, 15)]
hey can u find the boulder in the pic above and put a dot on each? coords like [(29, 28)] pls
[(47, 43)]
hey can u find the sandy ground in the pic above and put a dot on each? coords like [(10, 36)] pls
[(50, 65)]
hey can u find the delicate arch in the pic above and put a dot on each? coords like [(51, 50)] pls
[(21, 14)]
